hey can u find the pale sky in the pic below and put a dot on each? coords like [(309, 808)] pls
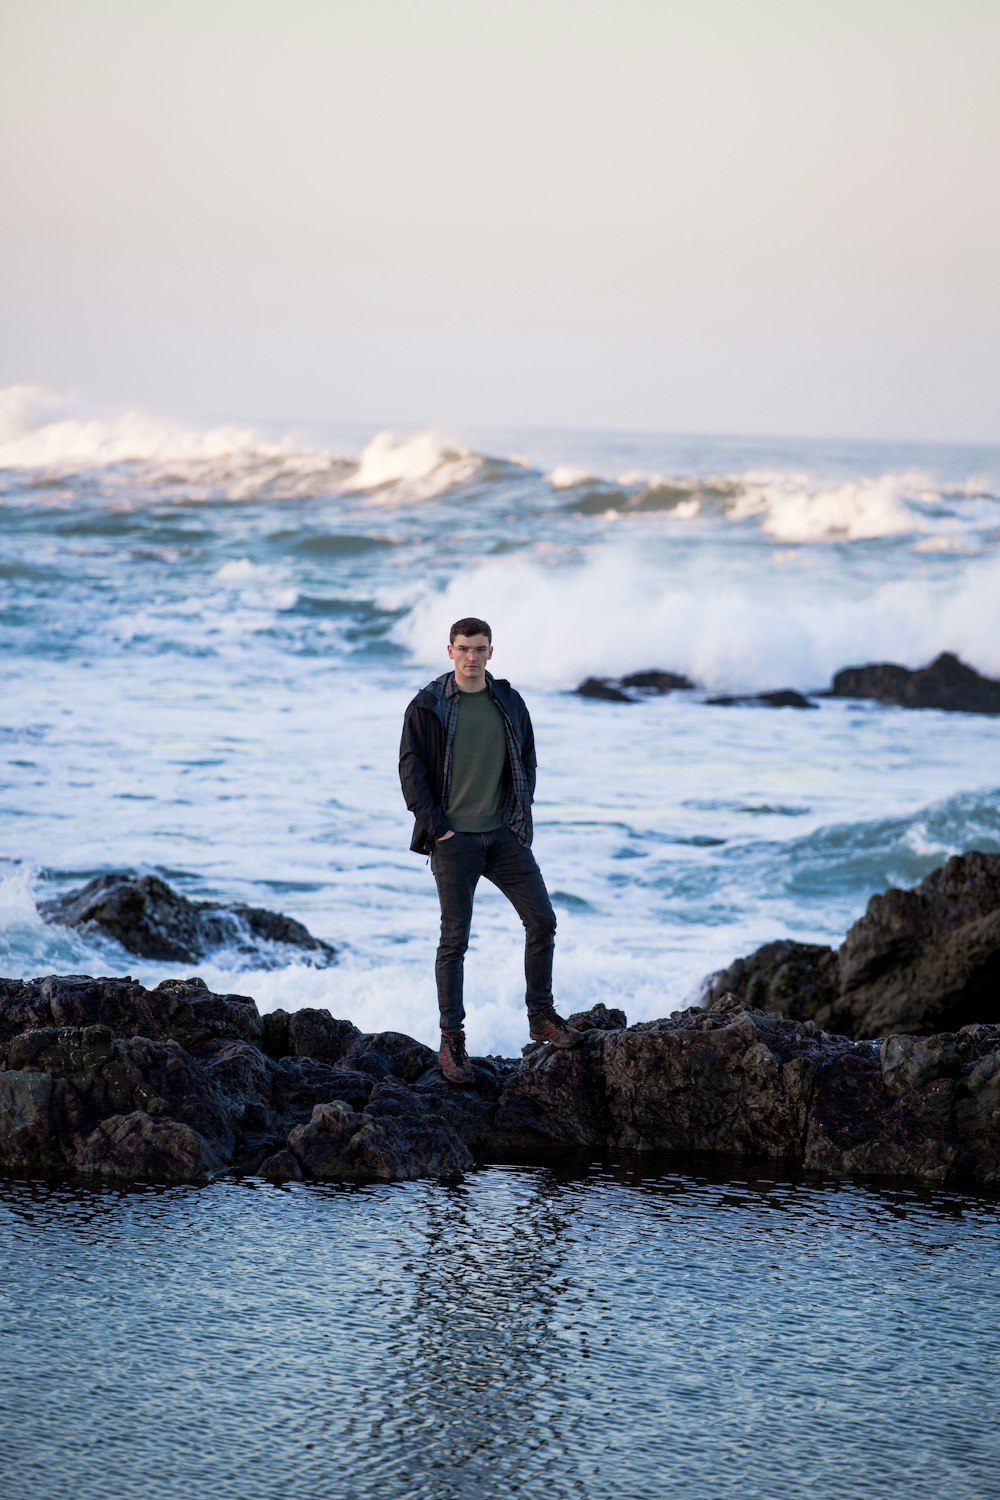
[(758, 216)]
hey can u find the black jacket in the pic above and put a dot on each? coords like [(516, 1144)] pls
[(425, 758)]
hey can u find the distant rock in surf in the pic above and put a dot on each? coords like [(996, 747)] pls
[(657, 681), (612, 689), (101, 1078), (603, 687), (152, 920), (946, 684), (780, 698), (918, 961)]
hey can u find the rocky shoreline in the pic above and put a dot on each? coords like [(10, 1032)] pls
[(946, 683), (104, 1079), (817, 1057)]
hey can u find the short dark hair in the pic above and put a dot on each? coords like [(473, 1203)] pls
[(470, 626)]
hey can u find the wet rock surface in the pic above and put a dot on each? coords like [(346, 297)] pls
[(947, 683), (95, 1081), (149, 918), (918, 961)]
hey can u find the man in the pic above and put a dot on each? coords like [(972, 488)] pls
[(467, 768)]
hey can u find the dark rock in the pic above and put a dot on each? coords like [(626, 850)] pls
[(137, 1146), (602, 687), (180, 1010), (785, 978), (244, 1080), (34, 1122), (396, 1137), (469, 1111), (739, 1082), (300, 1083), (94, 1077), (556, 1095), (918, 961), (96, 1098), (780, 698), (309, 1033), (151, 919), (657, 681), (281, 1167), (390, 1052), (947, 683), (598, 1018)]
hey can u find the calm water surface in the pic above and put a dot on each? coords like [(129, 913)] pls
[(598, 1332)]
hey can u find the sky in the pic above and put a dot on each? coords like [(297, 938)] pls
[(734, 216)]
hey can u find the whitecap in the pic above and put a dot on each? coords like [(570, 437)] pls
[(419, 467), (56, 433), (793, 509), (566, 477)]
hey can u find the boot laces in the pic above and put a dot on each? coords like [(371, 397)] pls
[(456, 1046)]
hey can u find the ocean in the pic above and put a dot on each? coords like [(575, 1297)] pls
[(208, 636)]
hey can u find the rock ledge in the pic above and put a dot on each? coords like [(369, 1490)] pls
[(103, 1078)]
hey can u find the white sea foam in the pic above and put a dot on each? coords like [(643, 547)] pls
[(617, 612), (29, 944), (17, 898), (39, 430), (566, 477), (42, 429), (793, 509), (401, 996), (259, 583), (419, 467)]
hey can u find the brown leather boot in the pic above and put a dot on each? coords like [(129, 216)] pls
[(546, 1026), (453, 1058)]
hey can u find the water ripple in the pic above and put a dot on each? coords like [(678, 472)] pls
[(524, 1332)]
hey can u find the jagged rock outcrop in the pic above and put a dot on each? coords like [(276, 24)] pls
[(947, 683), (84, 1091), (918, 961), (152, 920)]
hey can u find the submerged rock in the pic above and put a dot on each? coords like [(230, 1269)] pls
[(96, 1097), (779, 698), (918, 961), (947, 683), (151, 919)]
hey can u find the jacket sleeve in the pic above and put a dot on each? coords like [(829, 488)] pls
[(415, 759), (528, 757)]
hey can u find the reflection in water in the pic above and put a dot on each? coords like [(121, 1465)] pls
[(530, 1332)]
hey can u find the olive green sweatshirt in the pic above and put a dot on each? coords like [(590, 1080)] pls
[(478, 758)]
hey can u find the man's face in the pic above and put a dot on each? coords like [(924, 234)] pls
[(470, 653)]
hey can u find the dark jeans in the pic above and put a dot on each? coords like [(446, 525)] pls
[(457, 864)]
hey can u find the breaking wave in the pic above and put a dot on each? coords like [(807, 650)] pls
[(618, 611), (42, 431), (794, 507), (47, 438)]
